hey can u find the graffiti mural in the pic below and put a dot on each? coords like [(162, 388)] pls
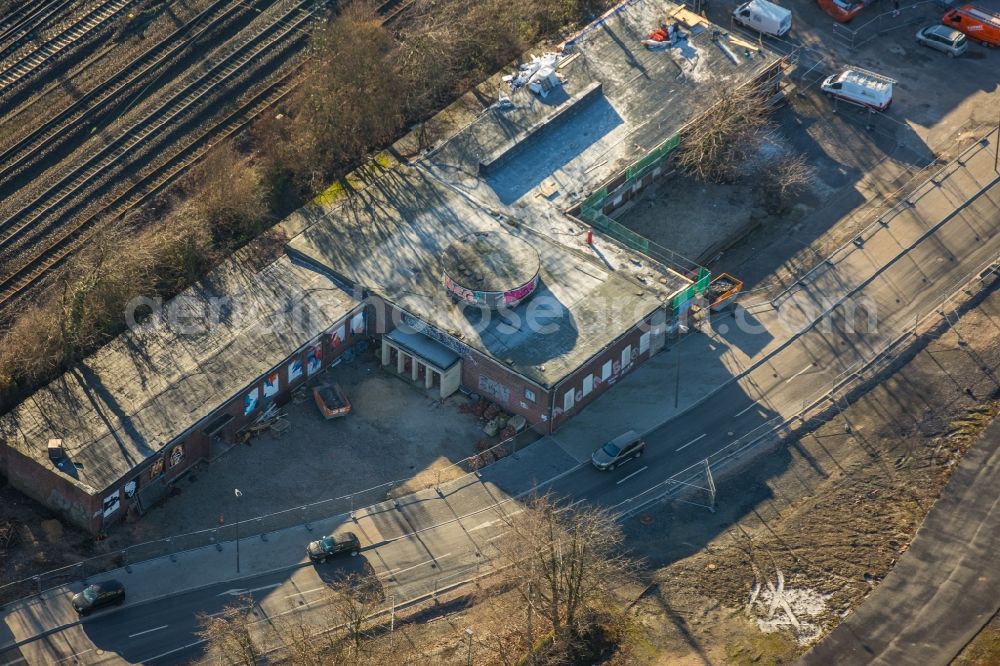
[(494, 389), (112, 503), (250, 401), (176, 455), (314, 359), (294, 369), (272, 385)]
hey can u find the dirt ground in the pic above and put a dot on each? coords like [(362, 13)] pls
[(984, 650)]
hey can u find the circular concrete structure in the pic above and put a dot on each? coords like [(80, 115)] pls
[(490, 269)]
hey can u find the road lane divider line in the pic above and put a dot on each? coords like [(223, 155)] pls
[(75, 655), (148, 631), (741, 413), (305, 592), (699, 437), (800, 372), (626, 478), (393, 572)]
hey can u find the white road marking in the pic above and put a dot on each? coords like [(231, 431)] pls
[(494, 538), (393, 572), (73, 655), (626, 478), (738, 414), (701, 436), (148, 631), (800, 372), (238, 591), (16, 661), (305, 592)]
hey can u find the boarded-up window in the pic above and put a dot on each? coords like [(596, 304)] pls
[(568, 399), (626, 356), (644, 343), (606, 371), (588, 384)]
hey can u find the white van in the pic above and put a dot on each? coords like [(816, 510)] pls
[(765, 17), (859, 86)]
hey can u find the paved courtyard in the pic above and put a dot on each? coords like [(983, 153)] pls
[(396, 431)]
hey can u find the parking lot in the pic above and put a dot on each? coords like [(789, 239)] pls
[(859, 160)]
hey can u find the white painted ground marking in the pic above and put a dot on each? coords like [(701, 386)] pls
[(16, 661), (702, 436), (626, 478), (741, 413), (393, 572), (235, 592), (800, 372), (74, 655), (305, 592), (148, 631)]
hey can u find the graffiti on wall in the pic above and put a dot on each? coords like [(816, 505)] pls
[(157, 468), (494, 389), (176, 455), (314, 359), (112, 503), (294, 370), (250, 401), (337, 337), (272, 385)]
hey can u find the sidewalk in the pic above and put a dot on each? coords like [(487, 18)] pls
[(944, 589)]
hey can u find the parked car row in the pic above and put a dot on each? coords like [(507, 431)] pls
[(863, 87)]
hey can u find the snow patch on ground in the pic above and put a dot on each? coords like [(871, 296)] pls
[(776, 607)]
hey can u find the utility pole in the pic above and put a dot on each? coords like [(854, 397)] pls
[(238, 496)]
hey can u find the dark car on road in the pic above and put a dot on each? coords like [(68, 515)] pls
[(621, 448), (99, 595), (333, 544)]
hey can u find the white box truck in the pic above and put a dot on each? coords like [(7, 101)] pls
[(765, 17)]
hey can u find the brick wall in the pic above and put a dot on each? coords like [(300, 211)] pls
[(607, 367), (41, 482), (195, 445)]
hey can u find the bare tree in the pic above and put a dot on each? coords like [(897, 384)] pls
[(566, 562), (229, 634), (714, 146), (352, 601)]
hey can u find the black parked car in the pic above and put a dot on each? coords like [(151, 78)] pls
[(98, 595), (332, 545)]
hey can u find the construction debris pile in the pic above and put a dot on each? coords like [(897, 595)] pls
[(664, 36), (539, 75)]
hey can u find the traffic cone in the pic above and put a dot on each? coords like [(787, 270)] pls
[(222, 519)]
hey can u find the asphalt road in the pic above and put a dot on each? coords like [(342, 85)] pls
[(900, 271)]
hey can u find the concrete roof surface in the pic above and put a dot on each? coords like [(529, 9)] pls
[(645, 97), (132, 397), (390, 237)]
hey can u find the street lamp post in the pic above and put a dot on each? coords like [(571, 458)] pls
[(468, 634), (238, 496)]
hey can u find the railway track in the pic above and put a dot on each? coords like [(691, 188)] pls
[(71, 237), (38, 145), (23, 23), (117, 149), (48, 51)]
